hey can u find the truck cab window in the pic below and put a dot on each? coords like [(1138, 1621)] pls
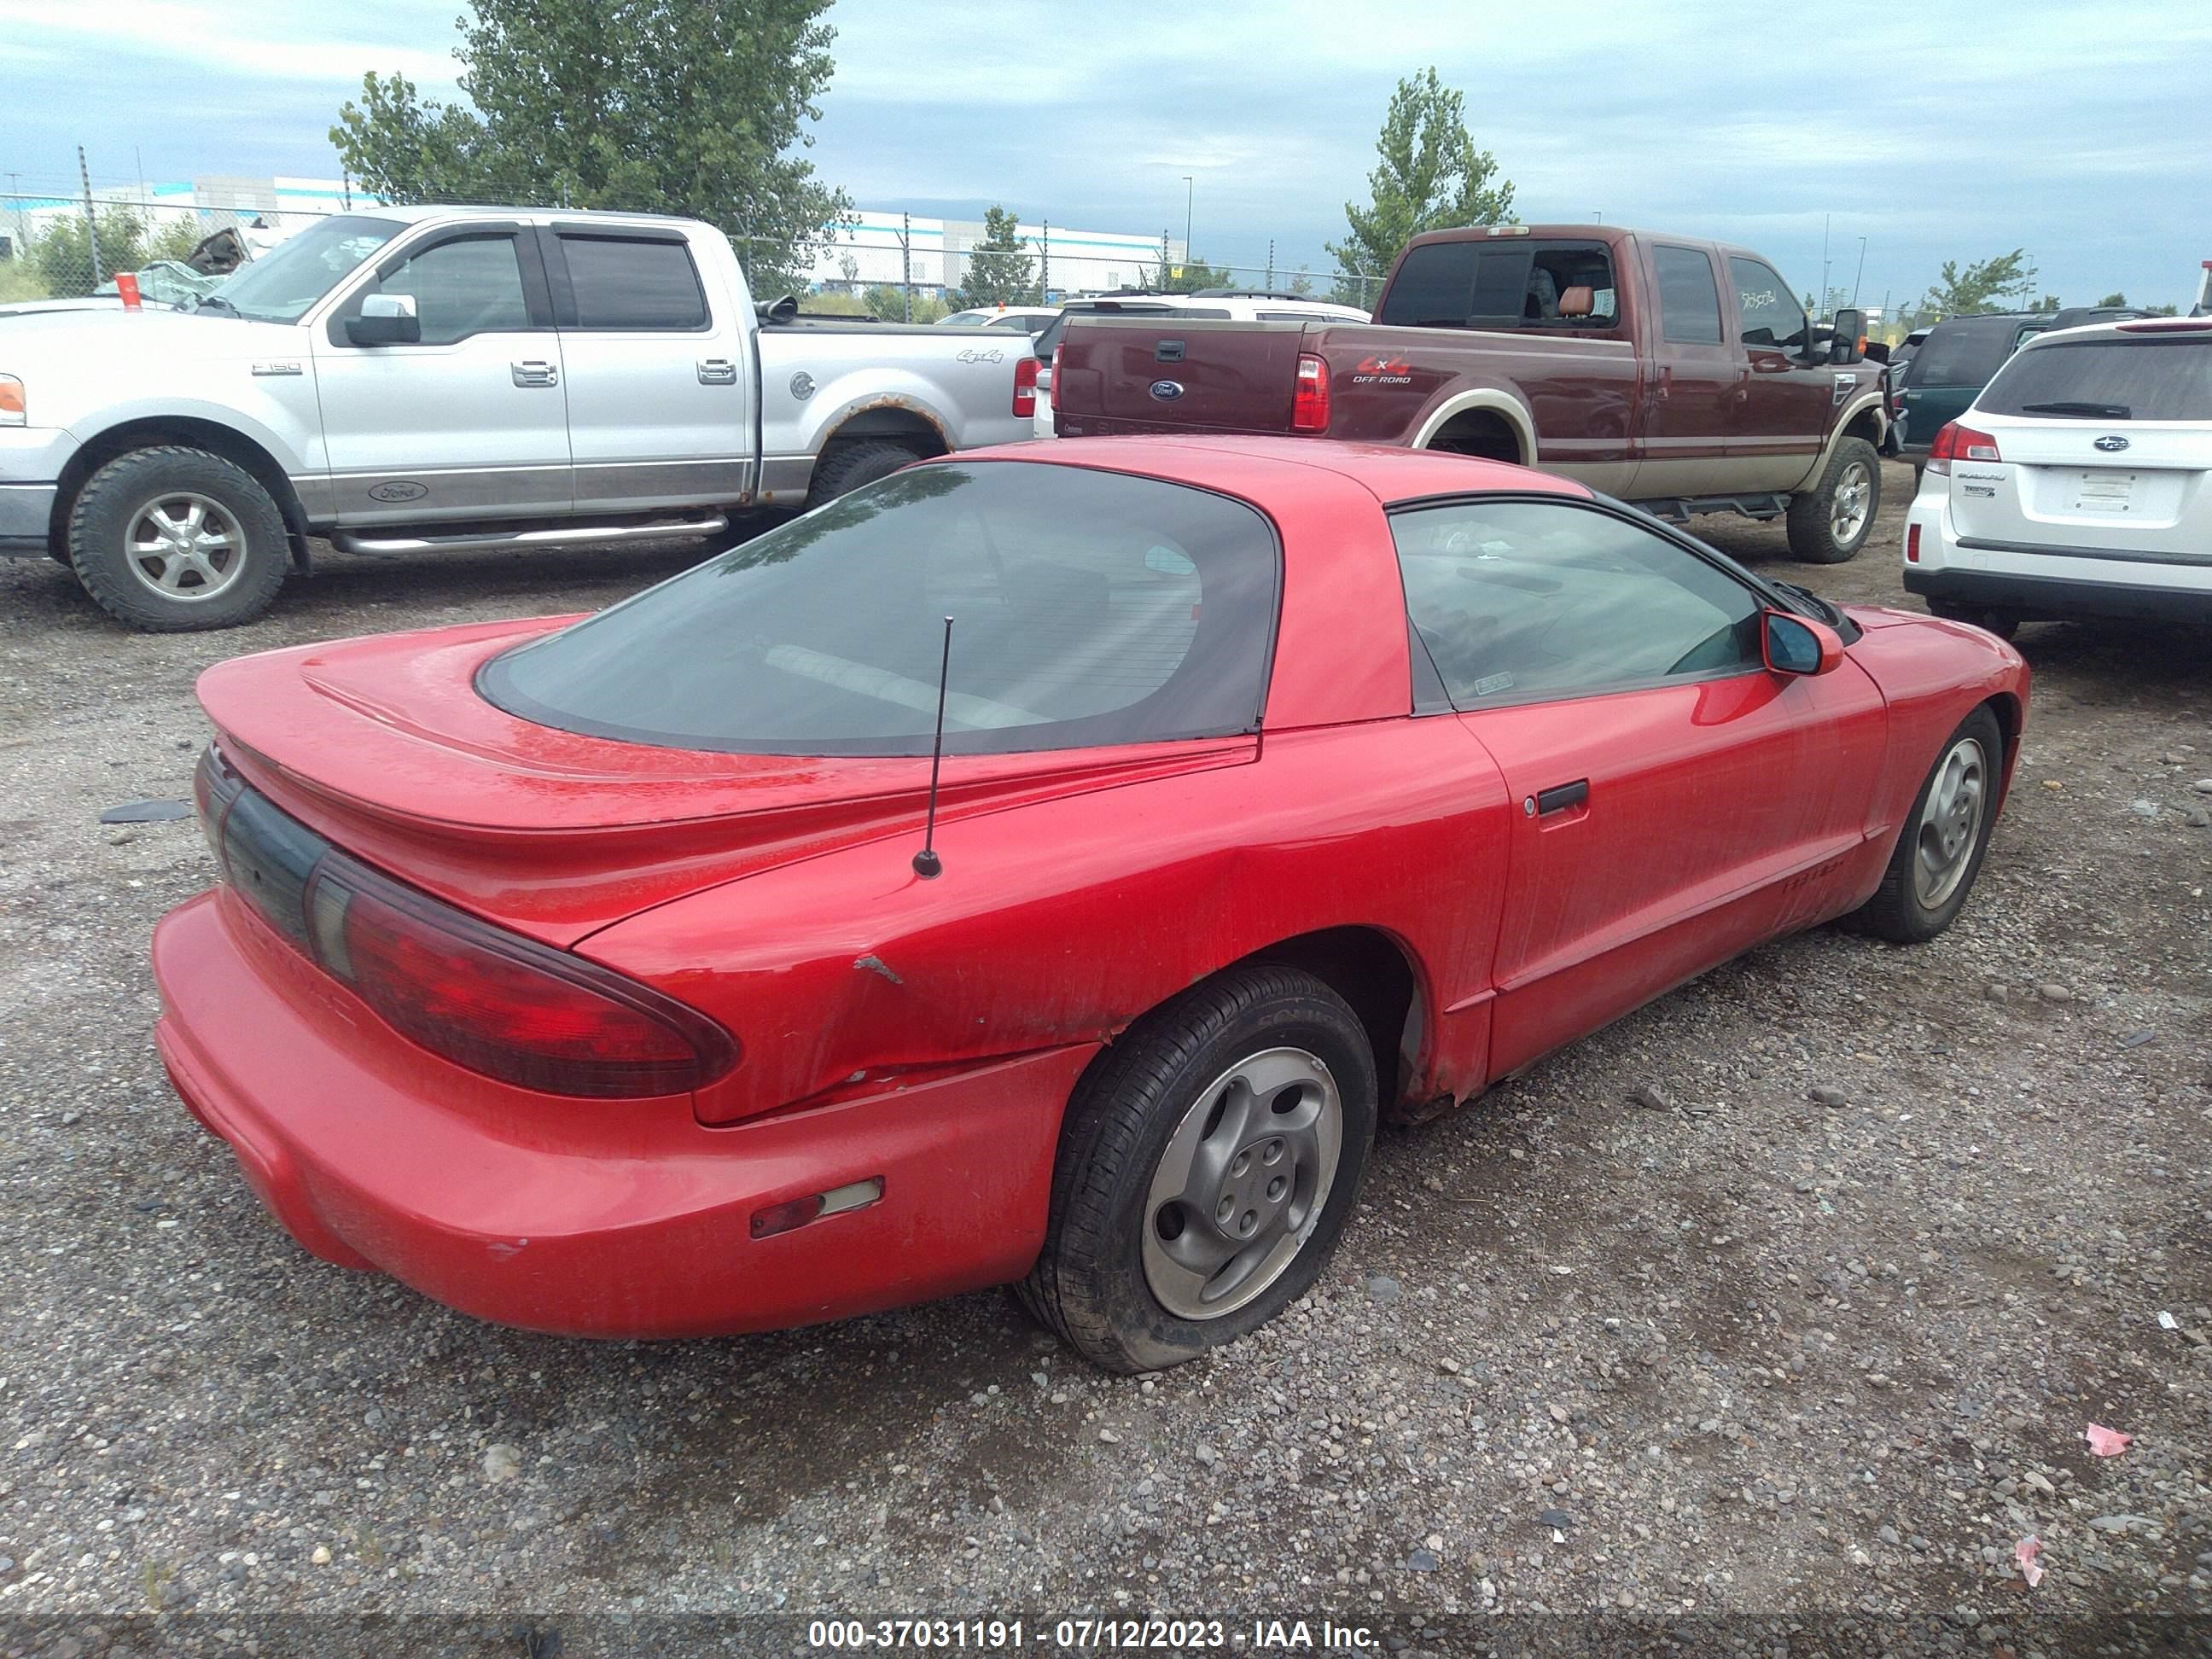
[(468, 285), (1503, 284), (1773, 321), (621, 283)]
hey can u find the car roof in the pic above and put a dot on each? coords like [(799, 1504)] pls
[(2122, 328), (1392, 475)]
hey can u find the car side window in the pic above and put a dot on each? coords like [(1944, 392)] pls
[(1689, 299), (1773, 321), (1523, 601), (633, 283), (467, 285)]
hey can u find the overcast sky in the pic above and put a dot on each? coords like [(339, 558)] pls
[(1933, 130)]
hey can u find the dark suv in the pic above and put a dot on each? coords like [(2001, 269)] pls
[(1955, 361)]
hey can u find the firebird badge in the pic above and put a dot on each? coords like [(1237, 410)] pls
[(1167, 391), (2111, 446)]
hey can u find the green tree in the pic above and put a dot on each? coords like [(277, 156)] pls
[(1428, 176), (1302, 283), (888, 302), (175, 240), (1189, 277), (698, 107), (1990, 285), (999, 273), (2113, 300), (64, 252)]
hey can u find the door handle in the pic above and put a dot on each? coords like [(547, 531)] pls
[(717, 371), (1558, 799), (534, 371)]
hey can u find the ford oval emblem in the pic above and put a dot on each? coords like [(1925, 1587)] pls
[(398, 490), (2111, 446), (1167, 391)]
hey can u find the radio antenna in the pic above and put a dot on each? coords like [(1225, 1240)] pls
[(927, 863)]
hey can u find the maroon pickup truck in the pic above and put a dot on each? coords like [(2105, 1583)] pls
[(1679, 374)]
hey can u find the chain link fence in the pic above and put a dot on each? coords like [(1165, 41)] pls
[(51, 248)]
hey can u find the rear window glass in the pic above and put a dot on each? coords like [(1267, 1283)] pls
[(1089, 608), (1493, 285), (1964, 353), (2152, 379), (634, 284)]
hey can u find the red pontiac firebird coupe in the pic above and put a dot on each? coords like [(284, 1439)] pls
[(586, 975)]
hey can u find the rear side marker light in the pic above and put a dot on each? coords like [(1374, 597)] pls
[(1912, 543), (1025, 379), (797, 1212)]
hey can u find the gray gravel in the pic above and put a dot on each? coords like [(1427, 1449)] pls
[(1793, 1293)]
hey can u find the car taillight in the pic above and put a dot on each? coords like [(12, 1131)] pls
[(1310, 403), (1025, 379), (1955, 442), (1912, 543), (490, 1000), (1055, 380), (502, 1005)]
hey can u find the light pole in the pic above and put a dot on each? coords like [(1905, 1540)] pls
[(1189, 196), (1861, 275)]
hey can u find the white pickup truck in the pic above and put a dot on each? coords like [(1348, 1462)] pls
[(421, 378)]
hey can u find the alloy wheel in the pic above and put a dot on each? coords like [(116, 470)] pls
[(184, 546)]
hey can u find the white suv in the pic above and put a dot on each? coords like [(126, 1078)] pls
[(2079, 484)]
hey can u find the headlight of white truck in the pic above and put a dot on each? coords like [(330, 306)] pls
[(11, 401)]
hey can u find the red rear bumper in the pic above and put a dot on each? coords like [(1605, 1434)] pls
[(617, 1218)]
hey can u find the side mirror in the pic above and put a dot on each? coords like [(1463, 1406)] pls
[(1850, 343), (385, 319), (1797, 644)]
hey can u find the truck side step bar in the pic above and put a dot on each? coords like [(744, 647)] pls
[(355, 541), (1679, 508)]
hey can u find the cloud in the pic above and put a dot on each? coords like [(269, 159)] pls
[(218, 38)]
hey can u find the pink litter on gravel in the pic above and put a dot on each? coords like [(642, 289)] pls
[(2025, 1552), (2107, 1442)]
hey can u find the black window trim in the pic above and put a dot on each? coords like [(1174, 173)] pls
[(565, 315), (1769, 598), (535, 296)]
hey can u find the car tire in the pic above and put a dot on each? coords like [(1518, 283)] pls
[(1903, 910), (2003, 623), (1830, 523), (846, 466), (1232, 1088), (213, 547)]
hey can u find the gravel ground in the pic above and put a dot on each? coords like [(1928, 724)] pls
[(1792, 1294)]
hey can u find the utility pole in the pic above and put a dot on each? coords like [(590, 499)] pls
[(91, 225), (1044, 263), (1861, 277), (1164, 259), (906, 262), (1268, 287), (1826, 219), (1189, 196), (345, 190)]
